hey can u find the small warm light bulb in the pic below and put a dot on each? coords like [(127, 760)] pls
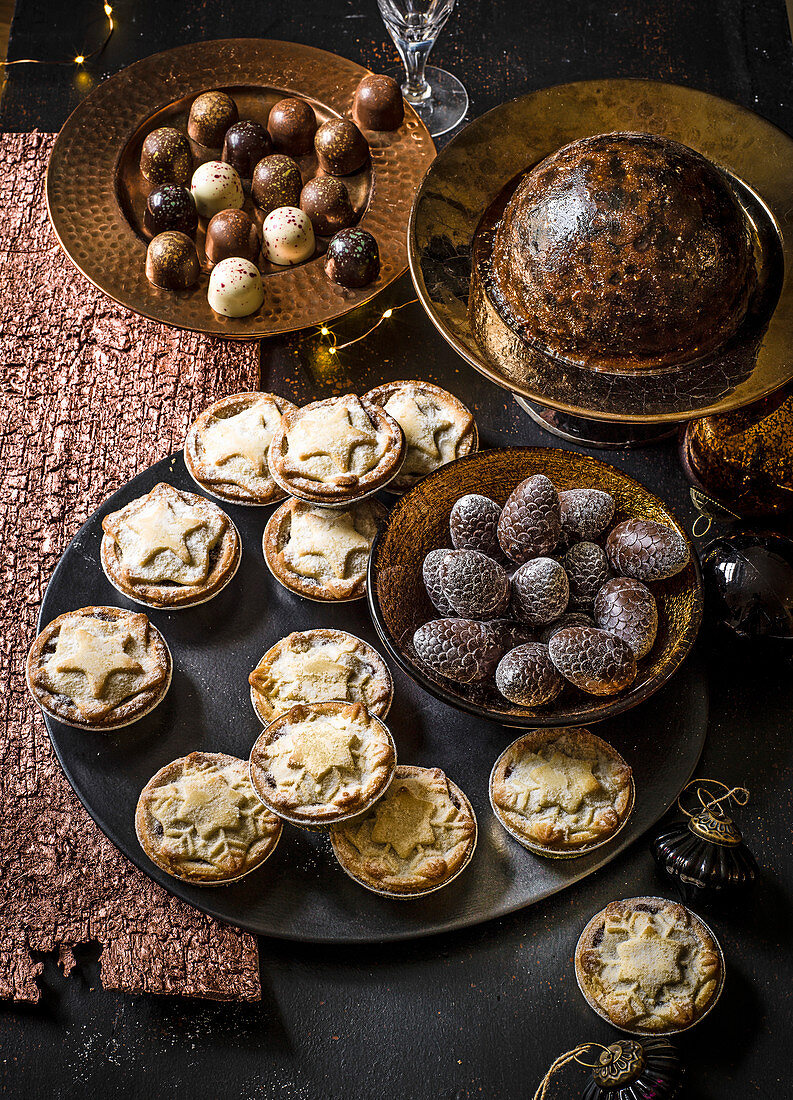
[(108, 10), (387, 314), (79, 59), (331, 351), (325, 331)]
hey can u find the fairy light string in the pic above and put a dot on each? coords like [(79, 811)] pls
[(80, 58), (334, 347)]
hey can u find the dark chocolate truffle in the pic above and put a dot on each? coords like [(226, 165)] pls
[(340, 146), (231, 233), (327, 202), (378, 103), (210, 116), (276, 182), (353, 258), (292, 125), (165, 157), (170, 206), (244, 146), (172, 261)]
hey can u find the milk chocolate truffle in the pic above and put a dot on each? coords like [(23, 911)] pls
[(170, 206), (353, 258), (215, 187), (165, 157), (276, 182), (210, 116), (172, 261), (235, 288), (340, 146), (378, 103), (327, 202), (231, 233), (244, 146), (292, 125), (287, 236)]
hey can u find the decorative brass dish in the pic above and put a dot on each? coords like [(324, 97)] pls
[(96, 196)]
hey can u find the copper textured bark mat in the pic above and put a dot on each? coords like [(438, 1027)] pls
[(90, 395)]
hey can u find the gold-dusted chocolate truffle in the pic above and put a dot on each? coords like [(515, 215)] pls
[(210, 116), (340, 146), (276, 182), (326, 200), (165, 157), (292, 125), (378, 103), (172, 261)]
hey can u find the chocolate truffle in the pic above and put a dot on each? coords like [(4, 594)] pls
[(287, 236), (170, 206), (340, 146), (327, 202), (378, 103), (210, 116), (216, 186), (235, 288), (244, 146), (165, 157), (276, 182), (353, 258), (231, 233), (292, 125), (172, 261)]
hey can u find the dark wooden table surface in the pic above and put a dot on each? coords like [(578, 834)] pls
[(484, 1012)]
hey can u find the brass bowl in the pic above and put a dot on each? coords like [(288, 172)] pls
[(419, 522)]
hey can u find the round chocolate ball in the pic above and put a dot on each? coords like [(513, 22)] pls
[(210, 116), (276, 182), (292, 125), (340, 146), (170, 206), (353, 258), (165, 157), (327, 202), (231, 233), (378, 103), (172, 261), (244, 146)]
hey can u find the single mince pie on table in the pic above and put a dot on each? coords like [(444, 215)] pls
[(335, 451), (99, 668), (226, 448), (319, 666), (417, 838), (170, 549), (199, 820)]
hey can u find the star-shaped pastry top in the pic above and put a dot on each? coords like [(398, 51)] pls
[(562, 780), (421, 430), (97, 653), (328, 431), (246, 435), (330, 535), (403, 821), (158, 527), (207, 803), (322, 746), (649, 961)]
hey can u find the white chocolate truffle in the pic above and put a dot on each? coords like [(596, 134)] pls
[(215, 187), (287, 236), (235, 288)]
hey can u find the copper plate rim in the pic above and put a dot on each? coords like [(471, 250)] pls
[(95, 234)]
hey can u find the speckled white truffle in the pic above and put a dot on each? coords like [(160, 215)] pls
[(287, 236), (235, 288), (215, 187)]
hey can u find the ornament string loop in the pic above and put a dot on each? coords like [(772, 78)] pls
[(710, 801), (565, 1059)]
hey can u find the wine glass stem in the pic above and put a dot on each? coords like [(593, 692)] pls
[(414, 57)]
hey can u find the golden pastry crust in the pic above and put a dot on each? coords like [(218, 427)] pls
[(99, 668), (322, 553), (336, 451), (438, 427), (226, 448), (418, 837), (169, 548), (648, 965), (561, 791), (199, 819), (319, 666), (320, 763)]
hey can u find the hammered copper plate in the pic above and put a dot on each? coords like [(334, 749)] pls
[(485, 158), (95, 194), (419, 522)]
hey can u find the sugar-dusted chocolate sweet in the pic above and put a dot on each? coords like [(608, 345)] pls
[(646, 550), (340, 146), (353, 258), (570, 618), (211, 114), (475, 585), (170, 206), (378, 103), (511, 633), (626, 607), (165, 157), (584, 513), (526, 675), (235, 288), (172, 261), (287, 236), (473, 524), (215, 186), (540, 591), (326, 200), (276, 182), (292, 125), (231, 233), (244, 145), (587, 569), (459, 649), (431, 575), (592, 660), (530, 522)]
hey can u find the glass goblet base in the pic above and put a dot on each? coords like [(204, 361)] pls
[(446, 103)]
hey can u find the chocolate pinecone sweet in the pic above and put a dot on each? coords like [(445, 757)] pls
[(431, 575), (526, 676), (570, 618), (626, 608), (473, 584), (459, 649), (530, 522), (584, 514), (473, 524), (540, 591), (596, 662), (587, 569), (646, 550)]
